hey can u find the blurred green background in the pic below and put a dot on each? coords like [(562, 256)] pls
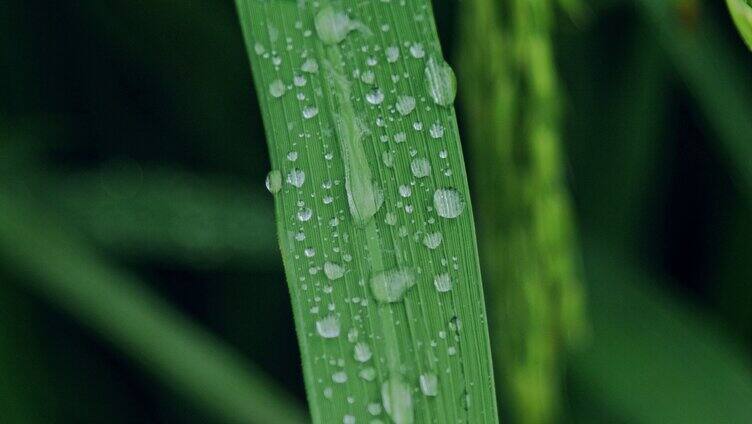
[(135, 223)]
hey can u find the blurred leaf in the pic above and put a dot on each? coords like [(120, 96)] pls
[(719, 80), (170, 214), (62, 270), (654, 358), (741, 12)]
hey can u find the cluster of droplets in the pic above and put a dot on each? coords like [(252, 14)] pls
[(391, 286)]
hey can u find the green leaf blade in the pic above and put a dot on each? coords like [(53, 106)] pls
[(372, 162)]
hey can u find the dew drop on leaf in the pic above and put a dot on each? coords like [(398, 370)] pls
[(328, 327), (429, 384), (273, 181), (333, 271), (448, 203), (390, 286), (296, 177), (440, 81), (443, 282)]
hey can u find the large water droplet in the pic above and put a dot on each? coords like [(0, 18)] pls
[(417, 51), (420, 167), (429, 384), (277, 88), (328, 327), (440, 81), (390, 286), (296, 177), (448, 202), (333, 271), (443, 282), (397, 400), (304, 214), (332, 26), (392, 54), (273, 181)]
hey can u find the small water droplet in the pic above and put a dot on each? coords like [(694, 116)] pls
[(348, 419), (420, 167), (443, 154), (310, 252), (333, 271), (405, 190), (375, 96), (328, 392), (432, 240), (436, 131), (367, 374), (392, 54), (400, 137), (310, 111), (405, 104), (417, 51), (440, 81), (310, 66), (388, 159), (328, 327), (273, 181), (259, 48), (277, 88), (429, 384), (299, 80), (448, 203), (390, 218), (296, 177), (362, 352), (374, 408), (390, 286), (339, 377), (292, 156), (443, 282), (368, 77), (304, 214)]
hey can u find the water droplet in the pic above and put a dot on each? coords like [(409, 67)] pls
[(296, 177), (443, 154), (440, 81), (310, 252), (436, 131), (443, 282), (328, 392), (388, 159), (392, 54), (448, 203), (405, 191), (362, 352), (390, 286), (368, 77), (277, 88), (405, 104), (367, 374), (292, 156), (374, 408), (418, 126), (259, 48), (420, 167), (332, 26), (304, 214), (328, 327), (273, 181), (375, 96), (299, 80), (400, 137), (300, 236), (310, 66), (417, 51), (348, 419), (333, 271), (429, 384), (390, 218), (310, 111), (432, 240), (397, 400), (339, 377), (372, 61)]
